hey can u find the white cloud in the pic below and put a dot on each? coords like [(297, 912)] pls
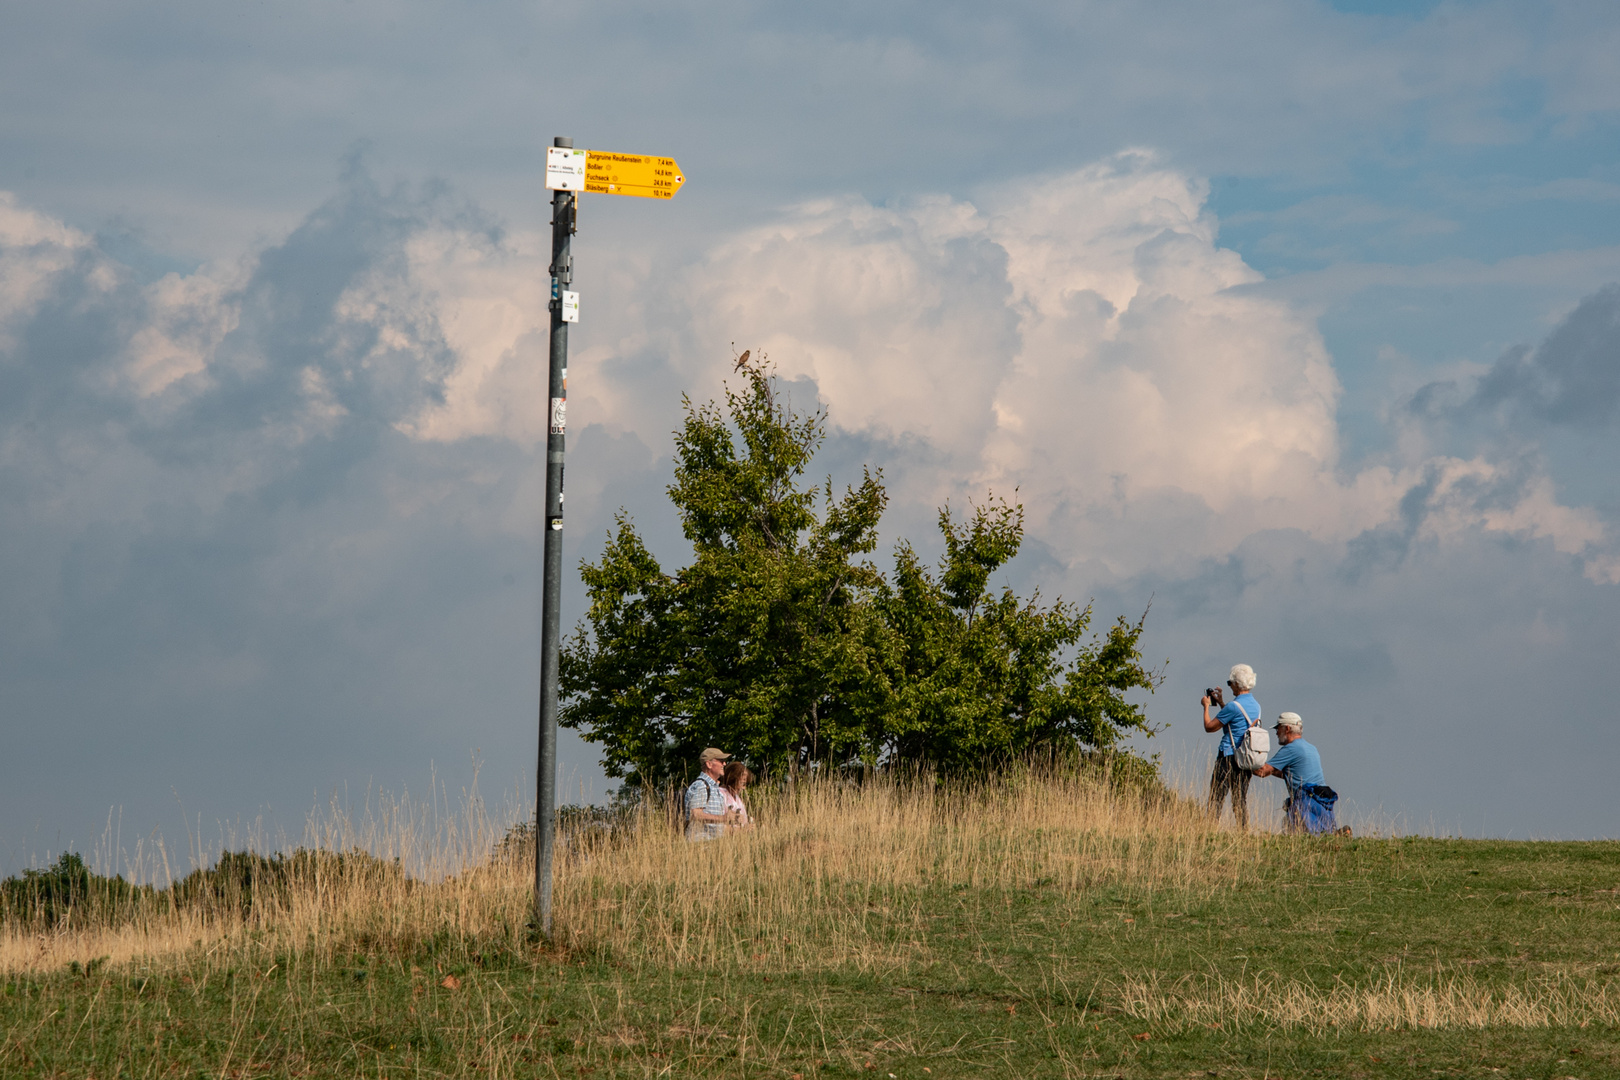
[(486, 299), (166, 330), (188, 317), (1469, 494), (1140, 372), (1081, 337), (900, 316), (321, 462), (1084, 338), (33, 248)]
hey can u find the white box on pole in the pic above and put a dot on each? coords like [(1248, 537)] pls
[(565, 169)]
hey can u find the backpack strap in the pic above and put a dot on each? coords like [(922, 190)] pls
[(1228, 724), (708, 786), (1245, 713)]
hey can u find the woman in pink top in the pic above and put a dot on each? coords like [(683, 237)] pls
[(732, 783)]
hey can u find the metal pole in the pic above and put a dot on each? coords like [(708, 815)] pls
[(545, 794)]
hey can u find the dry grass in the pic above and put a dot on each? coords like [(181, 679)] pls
[(836, 876), (396, 872), (1044, 921), (832, 877), (829, 878), (1392, 1002)]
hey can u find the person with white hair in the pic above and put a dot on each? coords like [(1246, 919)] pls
[(1310, 801), (1232, 722)]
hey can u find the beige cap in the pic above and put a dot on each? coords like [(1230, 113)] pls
[(712, 754), (1289, 720)]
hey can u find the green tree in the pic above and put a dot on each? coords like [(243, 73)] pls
[(984, 676), (768, 642), (782, 641), (48, 896)]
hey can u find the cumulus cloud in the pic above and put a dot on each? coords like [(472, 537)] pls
[(33, 249), (285, 507), (1143, 378), (229, 532), (1084, 338), (1075, 336), (901, 317), (1573, 377)]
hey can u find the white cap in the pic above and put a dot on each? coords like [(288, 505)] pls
[(1289, 720)]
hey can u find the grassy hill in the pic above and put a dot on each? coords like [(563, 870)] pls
[(1044, 927)]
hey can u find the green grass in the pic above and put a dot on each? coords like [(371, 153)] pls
[(1038, 981)]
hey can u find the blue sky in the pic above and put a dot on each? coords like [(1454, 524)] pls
[(1292, 317)]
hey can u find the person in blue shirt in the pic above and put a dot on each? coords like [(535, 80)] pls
[(1310, 800), (1232, 722)]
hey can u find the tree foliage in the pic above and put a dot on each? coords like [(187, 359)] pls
[(781, 639), (47, 897), (983, 675), (240, 882)]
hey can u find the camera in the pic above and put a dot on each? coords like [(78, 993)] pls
[(1214, 694)]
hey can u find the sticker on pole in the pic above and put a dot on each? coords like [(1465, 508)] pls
[(559, 416), (565, 169), (570, 306)]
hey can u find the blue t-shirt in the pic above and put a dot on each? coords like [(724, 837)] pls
[(1299, 763), (1236, 724)]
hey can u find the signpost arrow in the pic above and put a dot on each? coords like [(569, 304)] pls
[(642, 175), (569, 172), (605, 173)]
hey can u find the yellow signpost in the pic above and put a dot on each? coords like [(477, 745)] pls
[(642, 175)]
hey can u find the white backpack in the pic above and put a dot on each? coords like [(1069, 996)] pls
[(1255, 748)]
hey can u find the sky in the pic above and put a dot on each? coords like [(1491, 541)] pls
[(1295, 324)]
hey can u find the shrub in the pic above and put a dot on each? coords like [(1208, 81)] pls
[(67, 889)]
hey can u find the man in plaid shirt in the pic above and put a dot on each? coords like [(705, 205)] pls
[(705, 802)]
